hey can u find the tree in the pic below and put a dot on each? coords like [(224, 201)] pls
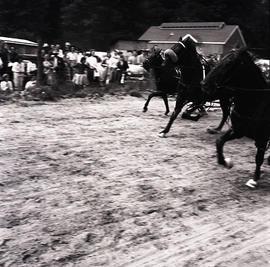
[(99, 23), (37, 20)]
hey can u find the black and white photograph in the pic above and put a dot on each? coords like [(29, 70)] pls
[(134, 133)]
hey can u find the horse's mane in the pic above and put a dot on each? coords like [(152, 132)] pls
[(224, 64), (231, 59)]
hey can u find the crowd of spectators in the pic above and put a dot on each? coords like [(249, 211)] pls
[(84, 67), (66, 63)]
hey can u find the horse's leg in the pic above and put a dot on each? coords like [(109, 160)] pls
[(165, 99), (229, 135), (261, 147), (145, 108), (180, 103), (225, 105)]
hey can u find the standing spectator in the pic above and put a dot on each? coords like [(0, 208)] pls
[(93, 66), (100, 73), (72, 60), (43, 53), (58, 51), (52, 49), (4, 58), (47, 70), (141, 57), (31, 68), (67, 48), (46, 47), (105, 65), (128, 55), (112, 64), (81, 54), (12, 57), (6, 85), (58, 69), (13, 54), (133, 58), (80, 77), (18, 70), (122, 66)]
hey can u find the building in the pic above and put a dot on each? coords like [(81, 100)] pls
[(130, 45), (212, 38), (24, 48)]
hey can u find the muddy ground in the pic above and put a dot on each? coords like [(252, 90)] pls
[(88, 183)]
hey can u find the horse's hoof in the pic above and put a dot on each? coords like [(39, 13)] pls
[(162, 135), (144, 110), (251, 183), (228, 163), (166, 113), (212, 131)]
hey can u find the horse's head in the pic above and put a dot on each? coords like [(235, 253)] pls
[(236, 69), (154, 60), (184, 49), (188, 61)]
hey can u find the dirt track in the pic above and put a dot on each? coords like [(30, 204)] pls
[(90, 184)]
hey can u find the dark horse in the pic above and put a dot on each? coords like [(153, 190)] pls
[(167, 77), (190, 65), (238, 76)]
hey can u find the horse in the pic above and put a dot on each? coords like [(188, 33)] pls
[(192, 74), (238, 76), (166, 78)]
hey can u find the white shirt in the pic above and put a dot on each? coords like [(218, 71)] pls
[(133, 60), (92, 62), (18, 67), (60, 53), (79, 57), (31, 67), (72, 56), (5, 85), (112, 62), (140, 59)]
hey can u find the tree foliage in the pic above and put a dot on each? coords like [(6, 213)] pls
[(30, 18), (37, 20), (99, 23)]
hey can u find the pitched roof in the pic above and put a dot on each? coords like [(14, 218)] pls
[(17, 41), (203, 32)]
